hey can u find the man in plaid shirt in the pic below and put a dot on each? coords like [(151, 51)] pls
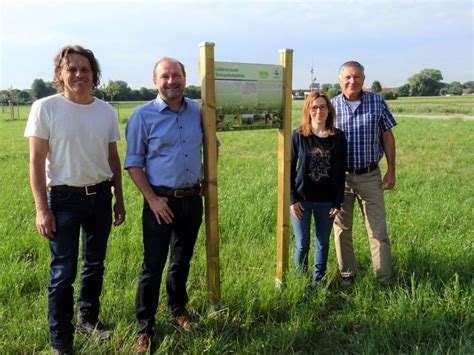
[(366, 120)]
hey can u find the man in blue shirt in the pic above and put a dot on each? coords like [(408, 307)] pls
[(366, 120), (164, 139)]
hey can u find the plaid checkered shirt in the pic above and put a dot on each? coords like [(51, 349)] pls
[(363, 128)]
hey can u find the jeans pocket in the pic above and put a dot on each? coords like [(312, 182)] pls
[(57, 197)]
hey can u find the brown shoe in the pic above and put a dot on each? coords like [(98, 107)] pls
[(142, 344), (185, 323)]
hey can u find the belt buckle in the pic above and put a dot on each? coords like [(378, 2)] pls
[(90, 193), (177, 194)]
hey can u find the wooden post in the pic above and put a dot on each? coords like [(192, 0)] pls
[(208, 96), (284, 156), (12, 113)]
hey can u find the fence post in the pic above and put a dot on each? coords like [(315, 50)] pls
[(208, 95), (284, 156)]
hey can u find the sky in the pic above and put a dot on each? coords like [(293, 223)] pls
[(392, 39)]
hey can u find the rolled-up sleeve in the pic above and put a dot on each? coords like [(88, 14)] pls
[(135, 133), (387, 119)]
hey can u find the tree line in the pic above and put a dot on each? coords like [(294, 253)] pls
[(115, 90), (427, 82)]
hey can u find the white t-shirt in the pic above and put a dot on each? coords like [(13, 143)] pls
[(354, 104), (78, 138)]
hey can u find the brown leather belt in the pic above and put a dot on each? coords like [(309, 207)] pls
[(178, 193), (86, 190), (360, 171)]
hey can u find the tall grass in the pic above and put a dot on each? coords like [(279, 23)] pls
[(427, 309)]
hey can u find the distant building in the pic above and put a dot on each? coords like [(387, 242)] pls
[(369, 89), (297, 94)]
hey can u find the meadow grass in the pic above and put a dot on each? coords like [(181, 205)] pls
[(458, 106), (434, 105), (427, 309)]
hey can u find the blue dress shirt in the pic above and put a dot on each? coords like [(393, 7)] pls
[(166, 144), (363, 128)]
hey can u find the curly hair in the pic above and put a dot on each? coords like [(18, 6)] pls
[(62, 57)]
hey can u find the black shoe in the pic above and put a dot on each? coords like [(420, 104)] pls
[(321, 287), (97, 329), (347, 281), (67, 351)]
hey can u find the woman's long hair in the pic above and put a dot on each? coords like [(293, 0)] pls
[(306, 116)]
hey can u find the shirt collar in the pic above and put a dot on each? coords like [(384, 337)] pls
[(361, 98), (163, 105)]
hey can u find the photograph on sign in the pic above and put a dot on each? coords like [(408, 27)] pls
[(248, 96)]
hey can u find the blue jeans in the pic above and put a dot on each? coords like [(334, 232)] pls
[(75, 211), (176, 239), (302, 229)]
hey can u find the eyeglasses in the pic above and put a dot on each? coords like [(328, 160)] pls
[(321, 108)]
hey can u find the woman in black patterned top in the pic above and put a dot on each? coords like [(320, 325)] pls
[(318, 156)]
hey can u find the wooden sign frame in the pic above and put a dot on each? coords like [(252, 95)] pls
[(208, 96)]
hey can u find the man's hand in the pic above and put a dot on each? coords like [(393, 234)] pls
[(119, 213), (297, 210), (389, 149), (333, 212), (389, 180), (161, 209), (46, 224)]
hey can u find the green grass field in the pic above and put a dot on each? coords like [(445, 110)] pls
[(428, 308), (437, 105)]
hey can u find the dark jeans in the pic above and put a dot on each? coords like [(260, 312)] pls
[(179, 237), (73, 212)]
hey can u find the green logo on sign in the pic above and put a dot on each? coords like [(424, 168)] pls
[(276, 74)]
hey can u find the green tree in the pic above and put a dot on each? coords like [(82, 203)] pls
[(337, 86), (99, 92), (332, 92), (124, 91), (40, 88), (135, 95), (426, 83), (147, 94), (13, 95), (469, 85), (389, 95), (314, 86), (51, 88), (112, 89), (455, 88), (24, 96), (404, 90), (4, 97), (193, 92), (376, 87), (443, 91), (325, 87)]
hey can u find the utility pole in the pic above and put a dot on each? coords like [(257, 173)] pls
[(313, 78)]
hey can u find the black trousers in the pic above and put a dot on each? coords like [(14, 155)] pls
[(179, 238)]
